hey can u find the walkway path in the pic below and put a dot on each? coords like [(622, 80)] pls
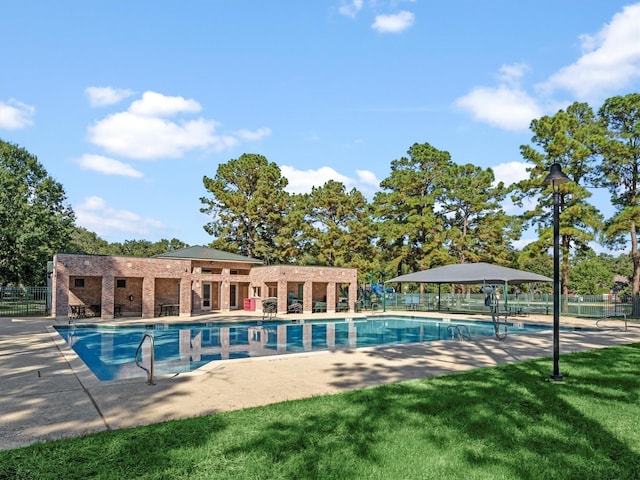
[(48, 393)]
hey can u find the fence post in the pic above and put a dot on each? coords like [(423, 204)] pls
[(635, 306)]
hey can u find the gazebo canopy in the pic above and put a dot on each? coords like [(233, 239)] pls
[(481, 273)]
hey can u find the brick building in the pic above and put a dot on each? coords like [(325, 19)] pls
[(191, 281)]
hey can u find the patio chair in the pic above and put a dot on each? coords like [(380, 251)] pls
[(269, 307), (342, 306), (295, 307)]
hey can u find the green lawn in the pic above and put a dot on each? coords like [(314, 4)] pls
[(505, 422)]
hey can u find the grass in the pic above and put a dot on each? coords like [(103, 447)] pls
[(504, 422)]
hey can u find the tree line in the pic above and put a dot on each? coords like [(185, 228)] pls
[(429, 211)]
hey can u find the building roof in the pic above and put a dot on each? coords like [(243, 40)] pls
[(199, 252), (481, 273)]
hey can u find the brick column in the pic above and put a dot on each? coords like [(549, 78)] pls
[(148, 297), (225, 302), (353, 296), (59, 291), (282, 294), (185, 297), (331, 297), (307, 294), (106, 298)]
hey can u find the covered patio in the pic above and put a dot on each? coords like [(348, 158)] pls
[(491, 277)]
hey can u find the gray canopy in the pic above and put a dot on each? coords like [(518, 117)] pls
[(482, 273)]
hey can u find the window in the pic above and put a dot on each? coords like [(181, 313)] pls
[(121, 283), (255, 292), (214, 271), (78, 283), (273, 290)]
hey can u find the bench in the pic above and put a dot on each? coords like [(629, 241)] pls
[(169, 309), (319, 307), (342, 307), (533, 310), (518, 311)]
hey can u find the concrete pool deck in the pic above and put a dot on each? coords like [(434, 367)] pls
[(48, 393)]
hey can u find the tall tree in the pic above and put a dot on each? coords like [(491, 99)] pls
[(410, 232), (340, 226), (570, 138), (146, 248), (535, 257), (85, 242), (591, 274), (247, 206), (619, 172), (35, 220), (477, 228), (293, 241)]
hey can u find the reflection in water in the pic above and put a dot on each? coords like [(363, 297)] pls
[(109, 351)]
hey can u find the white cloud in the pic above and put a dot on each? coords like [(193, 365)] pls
[(96, 216), (154, 104), (252, 135), (368, 178), (15, 115), (102, 96), (302, 181), (394, 23), (351, 9), (511, 74), (506, 107), (108, 166), (523, 242), (610, 60), (510, 172), (143, 132), (133, 136)]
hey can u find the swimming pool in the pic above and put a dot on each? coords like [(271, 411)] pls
[(109, 351)]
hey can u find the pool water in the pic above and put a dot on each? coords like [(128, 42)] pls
[(109, 351)]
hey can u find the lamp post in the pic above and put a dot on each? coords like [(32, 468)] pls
[(555, 178), (384, 293)]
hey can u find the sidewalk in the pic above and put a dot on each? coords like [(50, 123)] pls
[(48, 393)]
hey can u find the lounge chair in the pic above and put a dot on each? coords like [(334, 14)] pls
[(295, 307), (269, 307)]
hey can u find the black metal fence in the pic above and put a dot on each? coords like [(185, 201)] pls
[(36, 301), (25, 301), (593, 306)]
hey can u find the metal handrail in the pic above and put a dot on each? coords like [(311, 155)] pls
[(613, 316), (150, 378), (459, 330), (495, 317)]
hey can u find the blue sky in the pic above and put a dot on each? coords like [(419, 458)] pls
[(129, 104)]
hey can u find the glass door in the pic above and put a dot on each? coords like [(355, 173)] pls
[(206, 295), (233, 296)]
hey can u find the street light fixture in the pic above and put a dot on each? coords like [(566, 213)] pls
[(555, 178)]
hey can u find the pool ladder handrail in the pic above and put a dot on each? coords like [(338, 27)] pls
[(613, 316), (150, 377), (495, 317), (460, 329)]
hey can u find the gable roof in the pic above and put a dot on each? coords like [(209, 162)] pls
[(199, 252), (482, 273)]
